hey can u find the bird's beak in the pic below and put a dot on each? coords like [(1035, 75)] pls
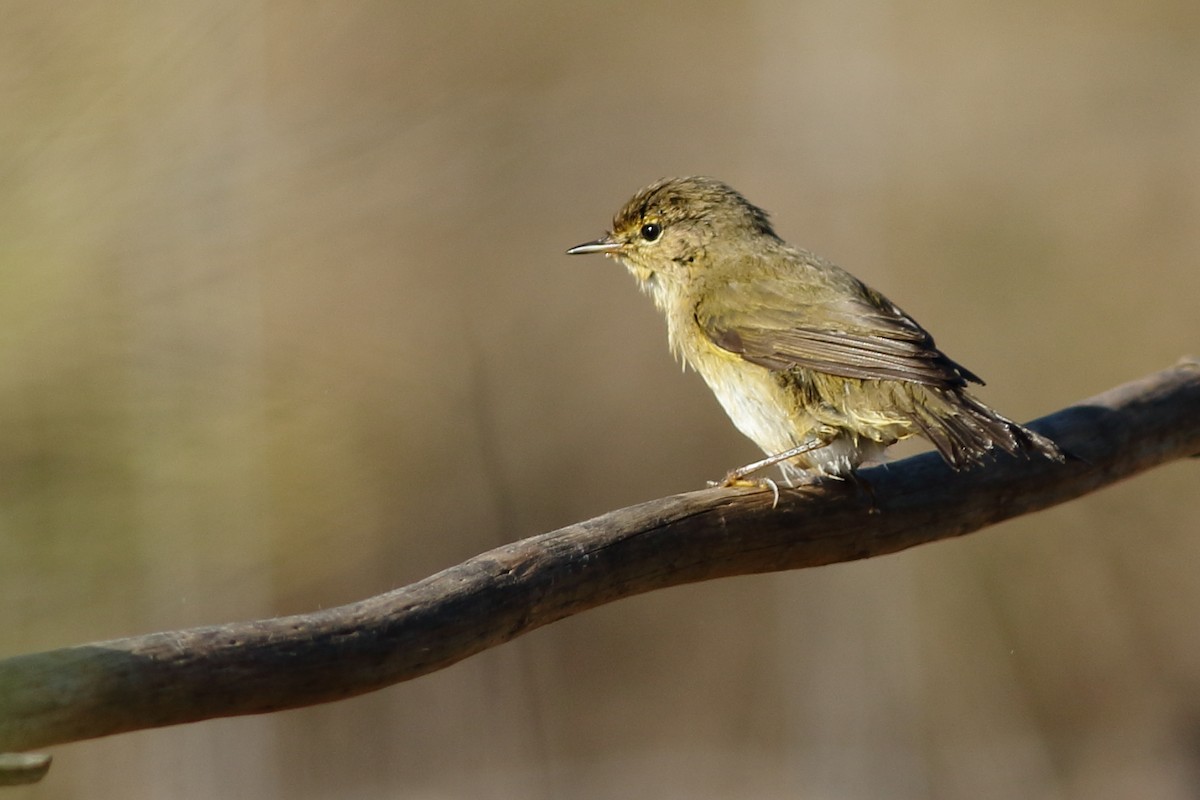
[(604, 245)]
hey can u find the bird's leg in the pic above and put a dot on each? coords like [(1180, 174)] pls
[(864, 485), (737, 477)]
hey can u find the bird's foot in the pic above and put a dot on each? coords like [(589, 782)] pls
[(738, 481), (861, 484)]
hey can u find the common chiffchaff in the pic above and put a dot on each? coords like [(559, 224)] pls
[(819, 370)]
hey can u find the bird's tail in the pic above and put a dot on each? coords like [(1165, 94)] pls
[(966, 432)]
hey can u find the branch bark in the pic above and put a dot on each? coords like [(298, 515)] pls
[(267, 665)]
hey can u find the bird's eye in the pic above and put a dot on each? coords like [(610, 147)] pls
[(651, 231)]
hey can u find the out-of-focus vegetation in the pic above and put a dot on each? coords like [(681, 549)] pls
[(285, 322)]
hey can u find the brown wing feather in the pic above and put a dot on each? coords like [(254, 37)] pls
[(866, 337)]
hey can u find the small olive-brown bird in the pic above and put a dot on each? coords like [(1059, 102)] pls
[(821, 371)]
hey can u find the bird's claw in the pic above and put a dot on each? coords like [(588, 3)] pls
[(736, 480)]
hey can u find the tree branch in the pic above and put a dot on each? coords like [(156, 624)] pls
[(255, 667)]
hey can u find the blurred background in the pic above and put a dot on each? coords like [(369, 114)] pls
[(286, 322)]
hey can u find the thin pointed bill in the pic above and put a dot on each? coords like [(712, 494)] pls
[(605, 245)]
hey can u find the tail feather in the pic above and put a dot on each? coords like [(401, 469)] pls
[(966, 432)]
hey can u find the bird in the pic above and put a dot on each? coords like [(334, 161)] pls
[(821, 371)]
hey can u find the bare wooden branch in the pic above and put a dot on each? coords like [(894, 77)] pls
[(19, 768), (267, 665)]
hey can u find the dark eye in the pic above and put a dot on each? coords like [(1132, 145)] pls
[(651, 231)]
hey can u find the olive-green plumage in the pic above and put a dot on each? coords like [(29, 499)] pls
[(798, 351)]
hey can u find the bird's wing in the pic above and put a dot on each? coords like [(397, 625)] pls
[(845, 329)]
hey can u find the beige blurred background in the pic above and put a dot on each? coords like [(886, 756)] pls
[(286, 322)]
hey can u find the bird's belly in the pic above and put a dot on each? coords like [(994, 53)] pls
[(755, 401), (773, 416)]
